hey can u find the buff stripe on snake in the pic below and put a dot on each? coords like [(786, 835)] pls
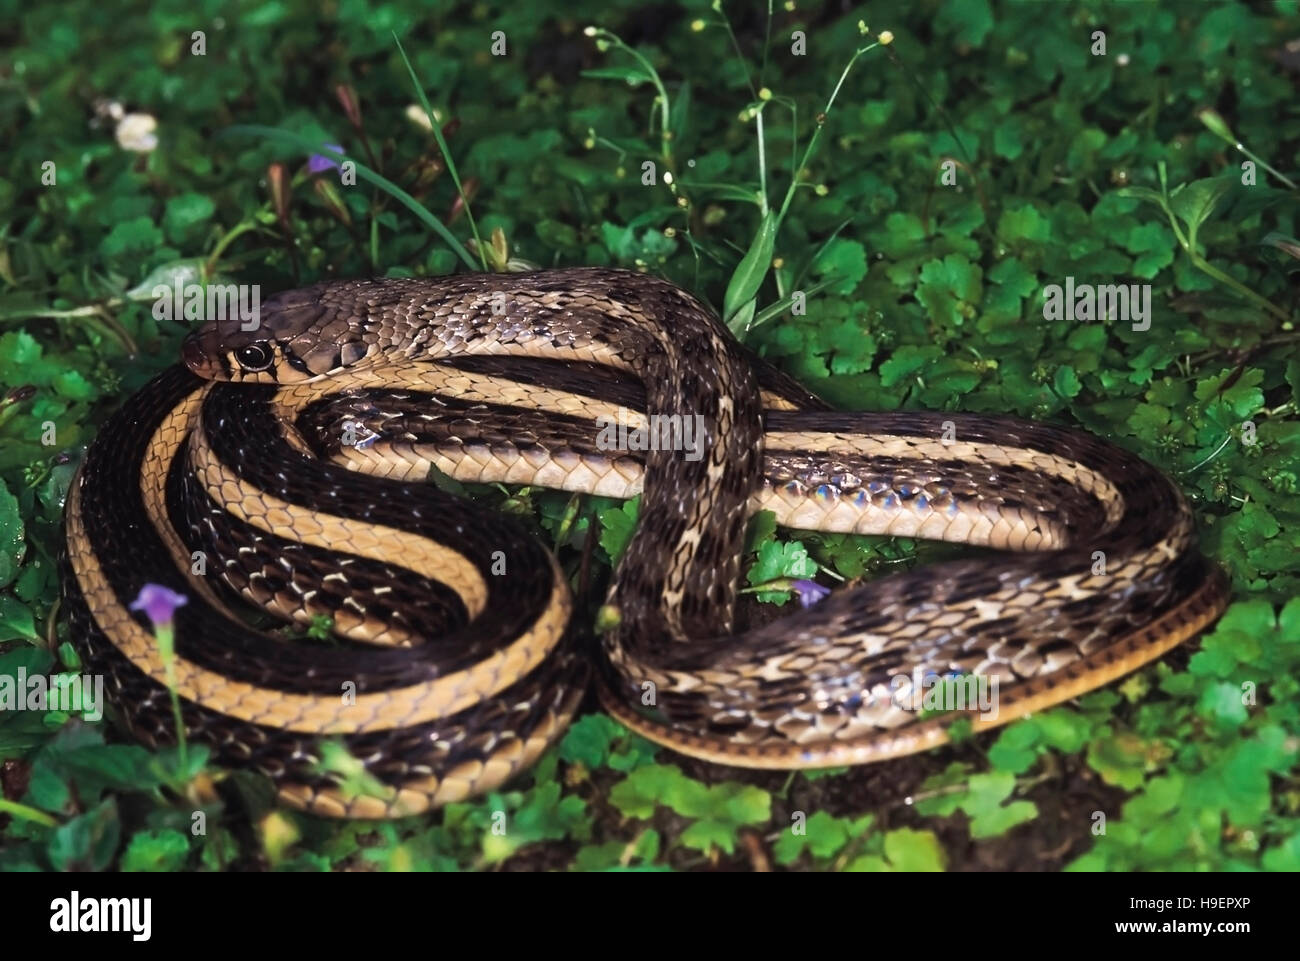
[(456, 661)]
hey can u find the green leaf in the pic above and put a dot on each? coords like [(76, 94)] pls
[(20, 731), (185, 213), (722, 808), (749, 274), (1120, 760), (1288, 621), (1009, 272), (13, 545), (1023, 223), (71, 385), (617, 525), (1154, 246), (1084, 147), (1161, 796), (741, 803), (16, 620), (589, 738), (904, 235), (1285, 857), (1194, 202), (999, 820), (1014, 749), (845, 262), (161, 850), (1008, 137), (762, 529), (989, 817), (949, 288), (636, 752), (907, 360), (599, 857), (638, 794), (555, 233), (605, 857), (854, 348), (1063, 729), (88, 842), (1223, 702), (47, 790), (121, 767), (137, 237), (909, 850), (779, 560), (170, 274), (970, 21), (707, 834), (1066, 382), (824, 835)]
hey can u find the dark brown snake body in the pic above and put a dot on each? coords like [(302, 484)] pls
[(454, 665)]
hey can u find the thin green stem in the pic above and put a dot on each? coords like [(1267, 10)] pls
[(27, 813), (1263, 302), (735, 44), (89, 310), (1188, 243), (167, 648), (243, 227), (446, 153), (1259, 160), (100, 311), (665, 133), (812, 142)]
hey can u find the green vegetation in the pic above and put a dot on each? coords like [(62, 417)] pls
[(775, 172)]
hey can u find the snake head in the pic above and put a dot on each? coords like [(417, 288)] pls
[(294, 337)]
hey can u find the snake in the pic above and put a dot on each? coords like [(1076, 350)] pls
[(279, 478)]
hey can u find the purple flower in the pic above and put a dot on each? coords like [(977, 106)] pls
[(809, 592), (158, 604), (319, 163)]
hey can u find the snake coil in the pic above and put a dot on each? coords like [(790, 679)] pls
[(283, 471)]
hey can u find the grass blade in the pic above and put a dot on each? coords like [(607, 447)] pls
[(446, 152), (307, 146)]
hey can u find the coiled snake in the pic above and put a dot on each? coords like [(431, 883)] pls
[(454, 664)]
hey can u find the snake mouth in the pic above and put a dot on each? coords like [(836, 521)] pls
[(198, 355)]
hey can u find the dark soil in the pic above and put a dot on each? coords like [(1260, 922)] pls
[(1065, 790)]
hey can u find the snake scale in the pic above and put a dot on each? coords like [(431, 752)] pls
[(284, 471)]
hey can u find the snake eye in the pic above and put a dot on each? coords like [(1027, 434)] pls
[(254, 357)]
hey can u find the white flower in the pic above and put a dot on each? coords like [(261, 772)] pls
[(415, 113), (135, 132)]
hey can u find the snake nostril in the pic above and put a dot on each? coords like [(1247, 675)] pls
[(193, 355)]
